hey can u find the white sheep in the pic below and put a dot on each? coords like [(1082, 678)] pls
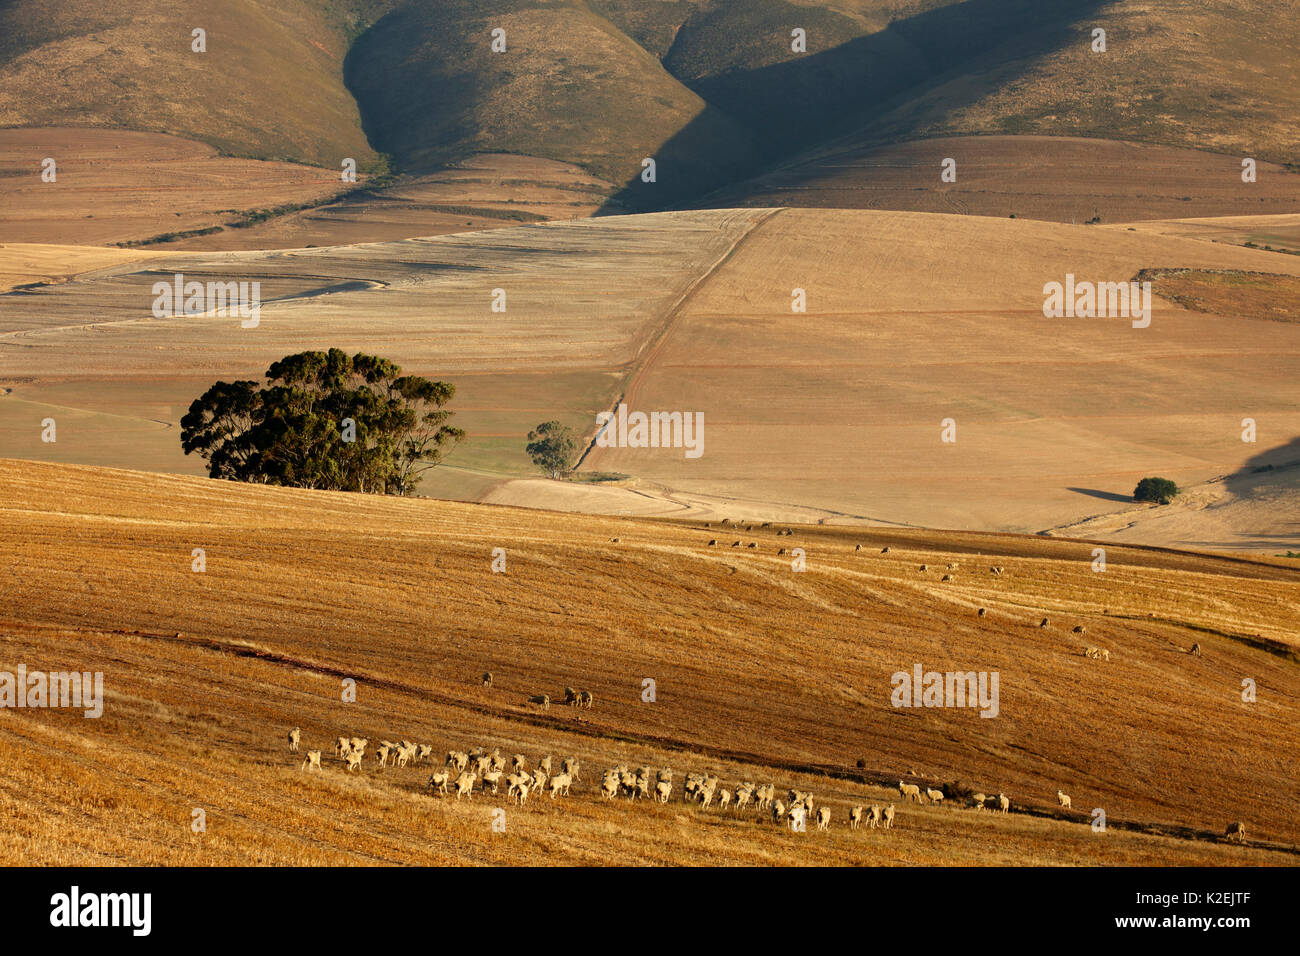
[(1236, 830), (1063, 800), (457, 760), (609, 785), (910, 791), (491, 779), (935, 796), (311, 760), (586, 699), (541, 700), (439, 780), (294, 736), (823, 818), (353, 760), (517, 787), (855, 818), (560, 785), (1004, 804), (874, 816), (778, 811), (569, 765), (663, 790), (342, 746), (889, 817), (465, 784)]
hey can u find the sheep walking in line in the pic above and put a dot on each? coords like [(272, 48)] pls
[(823, 818), (983, 612), (311, 760), (935, 796), (294, 736), (889, 817), (353, 760), (663, 790), (438, 780), (609, 785), (855, 818), (1063, 800), (517, 787), (381, 754), (724, 799), (1236, 831)]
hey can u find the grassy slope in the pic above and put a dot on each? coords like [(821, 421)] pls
[(761, 674), (270, 85)]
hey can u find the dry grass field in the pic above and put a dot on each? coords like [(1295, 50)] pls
[(833, 414), (761, 673), (1056, 178)]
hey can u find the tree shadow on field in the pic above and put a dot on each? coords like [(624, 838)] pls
[(1103, 495), (792, 106)]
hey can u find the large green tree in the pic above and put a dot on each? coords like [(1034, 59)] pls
[(552, 448), (324, 420)]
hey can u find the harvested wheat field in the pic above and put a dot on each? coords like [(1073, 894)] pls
[(836, 413), (760, 673)]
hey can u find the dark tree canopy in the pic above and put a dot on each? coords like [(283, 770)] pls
[(1161, 490), (552, 448), (324, 420)]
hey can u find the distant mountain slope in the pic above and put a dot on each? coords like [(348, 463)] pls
[(270, 85), (569, 87)]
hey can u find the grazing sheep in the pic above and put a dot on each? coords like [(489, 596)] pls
[(342, 746), (983, 612), (857, 547), (1196, 649), (977, 801), (1105, 654), (439, 780), (1043, 623), (885, 550), (936, 796), (925, 567), (311, 760), (614, 540), (487, 678), (855, 818), (780, 552), (353, 760), (946, 577), (952, 566), (609, 785), (541, 700), (294, 736), (910, 791), (995, 569), (560, 785), (735, 544), (517, 787), (713, 542), (1078, 629), (585, 699), (823, 818), (1237, 830), (1003, 803), (889, 817), (752, 544), (1063, 800), (465, 785)]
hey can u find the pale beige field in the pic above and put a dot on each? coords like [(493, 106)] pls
[(833, 414), (1056, 178), (761, 673)]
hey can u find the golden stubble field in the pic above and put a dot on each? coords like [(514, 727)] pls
[(761, 673)]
